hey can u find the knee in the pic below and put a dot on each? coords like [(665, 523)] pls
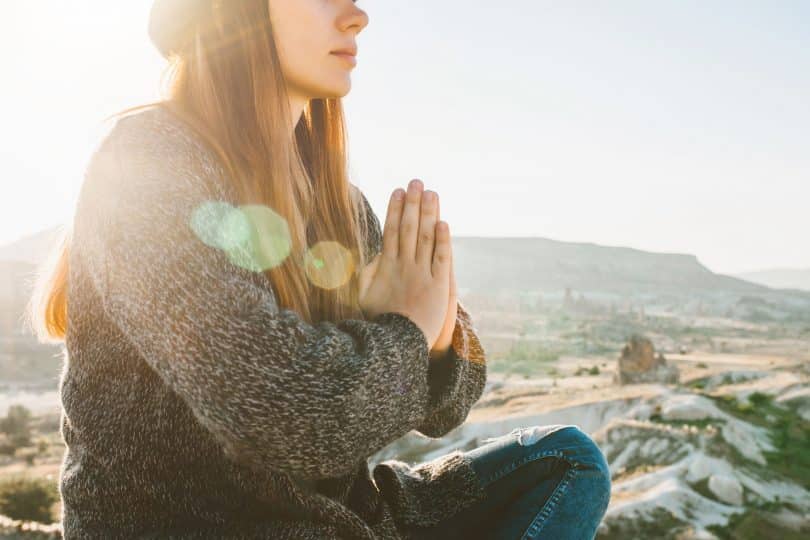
[(583, 450), (576, 447), (586, 456), (586, 450)]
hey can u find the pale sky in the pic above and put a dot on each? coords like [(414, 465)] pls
[(670, 126)]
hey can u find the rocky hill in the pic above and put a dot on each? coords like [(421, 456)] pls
[(550, 265), (780, 278)]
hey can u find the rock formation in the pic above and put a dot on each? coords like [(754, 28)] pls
[(638, 363)]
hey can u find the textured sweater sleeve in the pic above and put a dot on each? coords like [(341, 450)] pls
[(276, 392), (455, 381)]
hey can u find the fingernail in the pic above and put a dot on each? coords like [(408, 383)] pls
[(399, 193)]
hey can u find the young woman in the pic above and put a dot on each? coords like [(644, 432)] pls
[(242, 334)]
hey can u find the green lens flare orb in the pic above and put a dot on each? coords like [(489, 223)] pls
[(268, 243), (235, 230), (219, 224), (328, 264), (253, 236)]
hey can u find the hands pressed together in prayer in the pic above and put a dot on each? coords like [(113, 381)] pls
[(413, 274)]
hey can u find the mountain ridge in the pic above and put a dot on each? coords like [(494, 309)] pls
[(779, 278), (542, 264)]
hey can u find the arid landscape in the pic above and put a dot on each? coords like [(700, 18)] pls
[(695, 385), (625, 187), (719, 455)]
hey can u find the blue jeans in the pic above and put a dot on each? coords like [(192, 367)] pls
[(541, 482)]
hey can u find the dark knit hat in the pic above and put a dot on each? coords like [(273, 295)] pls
[(170, 22)]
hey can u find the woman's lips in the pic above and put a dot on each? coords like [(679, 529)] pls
[(350, 58)]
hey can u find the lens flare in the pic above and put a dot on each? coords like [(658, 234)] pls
[(219, 224), (253, 236), (268, 243), (328, 264), (256, 237)]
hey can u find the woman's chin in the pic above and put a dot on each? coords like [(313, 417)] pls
[(336, 90), (345, 85)]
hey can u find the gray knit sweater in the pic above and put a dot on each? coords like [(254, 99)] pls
[(193, 407)]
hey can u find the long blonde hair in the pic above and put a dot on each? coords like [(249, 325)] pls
[(227, 84)]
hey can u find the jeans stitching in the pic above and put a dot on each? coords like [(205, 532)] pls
[(551, 504), (497, 475)]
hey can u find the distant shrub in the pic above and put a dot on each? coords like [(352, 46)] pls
[(582, 370), (527, 351), (26, 498), (42, 445), (759, 399), (7, 448), (49, 422), (744, 407), (28, 453), (17, 425)]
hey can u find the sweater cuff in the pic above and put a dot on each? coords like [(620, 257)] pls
[(446, 375), (407, 325), (429, 492)]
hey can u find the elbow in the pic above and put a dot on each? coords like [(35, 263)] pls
[(326, 445), (327, 452), (441, 423), (305, 446), (309, 458)]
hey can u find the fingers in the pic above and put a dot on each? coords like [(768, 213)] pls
[(367, 274), (453, 291), (438, 218), (409, 225), (441, 257), (427, 228), (390, 247)]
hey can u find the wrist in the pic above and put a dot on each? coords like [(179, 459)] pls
[(439, 353)]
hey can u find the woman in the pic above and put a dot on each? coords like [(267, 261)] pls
[(243, 334)]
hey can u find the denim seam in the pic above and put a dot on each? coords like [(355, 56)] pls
[(497, 475), (551, 504)]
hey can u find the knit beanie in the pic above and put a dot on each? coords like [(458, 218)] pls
[(171, 21)]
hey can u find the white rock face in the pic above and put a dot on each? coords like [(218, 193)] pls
[(749, 440), (665, 490), (689, 407), (726, 488), (658, 465), (702, 466), (798, 397), (683, 456)]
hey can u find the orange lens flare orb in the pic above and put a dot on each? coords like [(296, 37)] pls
[(328, 264)]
